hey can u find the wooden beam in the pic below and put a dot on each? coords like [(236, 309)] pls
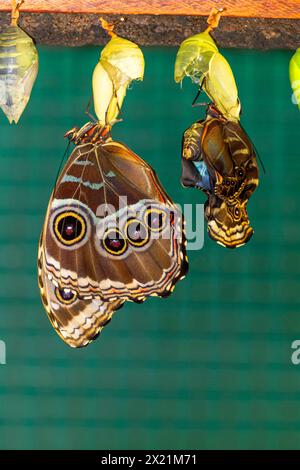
[(273, 24), (235, 8)]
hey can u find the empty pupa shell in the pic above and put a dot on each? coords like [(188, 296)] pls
[(198, 57), (193, 57), (126, 56), (221, 87), (107, 99), (121, 61), (18, 71), (295, 76)]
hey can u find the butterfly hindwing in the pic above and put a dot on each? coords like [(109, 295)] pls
[(77, 320)]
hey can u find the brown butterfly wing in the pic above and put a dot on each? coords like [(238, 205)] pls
[(231, 161), (229, 176), (244, 157), (87, 196), (78, 321), (228, 224)]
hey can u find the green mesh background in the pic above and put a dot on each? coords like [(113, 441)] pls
[(210, 366)]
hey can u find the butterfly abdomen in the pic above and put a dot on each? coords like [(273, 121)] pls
[(191, 149)]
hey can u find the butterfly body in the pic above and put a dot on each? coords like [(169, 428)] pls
[(111, 234), (228, 157)]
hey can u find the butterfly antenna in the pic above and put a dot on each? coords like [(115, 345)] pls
[(194, 103), (256, 152), (260, 159), (61, 164), (197, 96)]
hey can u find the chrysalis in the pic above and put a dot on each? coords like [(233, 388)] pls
[(295, 76), (18, 67), (198, 57), (121, 61)]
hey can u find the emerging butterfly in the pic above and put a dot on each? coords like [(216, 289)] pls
[(111, 233), (219, 159), (217, 155)]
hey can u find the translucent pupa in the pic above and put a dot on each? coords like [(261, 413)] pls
[(198, 57), (121, 61), (295, 76), (18, 67)]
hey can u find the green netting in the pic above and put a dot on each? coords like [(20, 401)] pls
[(210, 366)]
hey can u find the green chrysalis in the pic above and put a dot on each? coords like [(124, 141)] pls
[(18, 67), (198, 57), (295, 76)]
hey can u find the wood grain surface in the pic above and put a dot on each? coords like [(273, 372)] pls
[(63, 29), (235, 8)]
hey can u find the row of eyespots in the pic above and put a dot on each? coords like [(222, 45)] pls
[(70, 228), (137, 233)]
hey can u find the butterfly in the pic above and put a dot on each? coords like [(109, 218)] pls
[(219, 159), (111, 234)]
